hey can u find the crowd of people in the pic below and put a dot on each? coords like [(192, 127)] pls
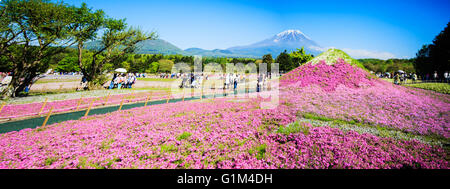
[(190, 80), (230, 80), (64, 73), (122, 81), (169, 76), (435, 77), (401, 77)]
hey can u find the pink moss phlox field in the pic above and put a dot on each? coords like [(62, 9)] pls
[(219, 133)]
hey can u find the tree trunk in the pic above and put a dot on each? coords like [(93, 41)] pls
[(80, 54), (28, 81), (19, 81)]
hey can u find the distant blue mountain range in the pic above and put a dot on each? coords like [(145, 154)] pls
[(288, 40)]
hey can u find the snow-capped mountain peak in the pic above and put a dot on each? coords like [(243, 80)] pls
[(291, 35), (290, 32)]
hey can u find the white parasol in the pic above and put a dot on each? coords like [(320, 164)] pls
[(121, 70)]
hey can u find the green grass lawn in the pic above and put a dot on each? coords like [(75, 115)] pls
[(438, 87), (40, 81), (50, 91)]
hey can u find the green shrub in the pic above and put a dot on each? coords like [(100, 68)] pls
[(261, 151), (168, 148), (294, 128), (184, 135), (316, 117), (49, 161)]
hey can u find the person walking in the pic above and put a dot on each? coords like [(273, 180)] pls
[(235, 82), (183, 82), (121, 80), (414, 77), (446, 76), (192, 78), (200, 80), (83, 83), (195, 81), (396, 78), (227, 81), (111, 85), (116, 81), (131, 80), (435, 76), (126, 81), (258, 83)]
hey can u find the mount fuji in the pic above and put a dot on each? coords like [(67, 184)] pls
[(288, 40)]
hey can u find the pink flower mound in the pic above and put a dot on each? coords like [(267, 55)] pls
[(328, 77)]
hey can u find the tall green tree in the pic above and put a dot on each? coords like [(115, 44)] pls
[(165, 65), (268, 60), (68, 64), (299, 57), (118, 41), (32, 31), (423, 62), (285, 61), (436, 56), (87, 24), (154, 66), (440, 51)]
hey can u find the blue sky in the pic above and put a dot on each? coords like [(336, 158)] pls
[(379, 29)]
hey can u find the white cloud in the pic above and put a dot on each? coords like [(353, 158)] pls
[(317, 48), (361, 53)]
